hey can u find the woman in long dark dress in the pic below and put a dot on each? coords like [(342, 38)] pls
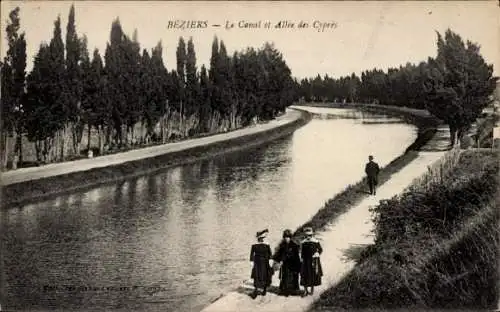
[(260, 255), (311, 271), (288, 256)]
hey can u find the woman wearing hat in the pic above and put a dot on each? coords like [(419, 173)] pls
[(260, 254), (311, 271), (288, 256)]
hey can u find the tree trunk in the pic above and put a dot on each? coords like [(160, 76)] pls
[(108, 133), (77, 134), (100, 134), (132, 134), (143, 134), (15, 138), (61, 143), (181, 114), (38, 150), (89, 128), (49, 149), (453, 132), (20, 147), (5, 148), (162, 129)]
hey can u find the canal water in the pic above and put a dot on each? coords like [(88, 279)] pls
[(177, 239)]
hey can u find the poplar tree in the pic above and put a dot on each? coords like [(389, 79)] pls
[(131, 83), (57, 82), (87, 90), (215, 78), (204, 111), (98, 96), (73, 85), (115, 72), (180, 79), (192, 84), (147, 94), (459, 83), (13, 70), (161, 91), (42, 121), (224, 83)]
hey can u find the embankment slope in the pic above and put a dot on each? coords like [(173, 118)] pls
[(28, 184), (436, 245)]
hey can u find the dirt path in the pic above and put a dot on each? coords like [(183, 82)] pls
[(25, 174), (352, 228)]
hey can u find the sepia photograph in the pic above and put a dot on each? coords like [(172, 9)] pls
[(278, 156)]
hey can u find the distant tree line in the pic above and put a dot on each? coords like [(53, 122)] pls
[(455, 86), (70, 93)]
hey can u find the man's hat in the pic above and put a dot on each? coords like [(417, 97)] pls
[(287, 233), (262, 234)]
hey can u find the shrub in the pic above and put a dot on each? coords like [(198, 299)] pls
[(437, 247)]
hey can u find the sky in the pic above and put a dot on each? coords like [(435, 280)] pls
[(357, 36)]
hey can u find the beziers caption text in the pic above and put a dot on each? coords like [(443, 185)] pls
[(316, 25)]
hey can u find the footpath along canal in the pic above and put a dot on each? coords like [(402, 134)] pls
[(348, 230), (177, 239)]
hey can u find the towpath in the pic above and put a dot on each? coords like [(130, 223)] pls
[(33, 173), (350, 229)]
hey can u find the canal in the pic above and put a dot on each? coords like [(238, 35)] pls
[(177, 239)]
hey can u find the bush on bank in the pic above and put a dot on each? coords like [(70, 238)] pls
[(437, 247)]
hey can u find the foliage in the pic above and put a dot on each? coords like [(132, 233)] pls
[(13, 73), (458, 83), (455, 221), (454, 86), (69, 90)]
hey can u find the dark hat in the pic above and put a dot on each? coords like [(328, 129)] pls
[(262, 234), (308, 230), (287, 233)]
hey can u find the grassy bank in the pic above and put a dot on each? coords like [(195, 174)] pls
[(355, 193), (436, 246), (29, 191)]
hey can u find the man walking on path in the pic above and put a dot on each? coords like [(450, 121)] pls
[(372, 169)]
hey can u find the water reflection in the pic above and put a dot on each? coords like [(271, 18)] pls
[(180, 237)]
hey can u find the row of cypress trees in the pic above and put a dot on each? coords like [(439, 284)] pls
[(128, 96), (455, 85)]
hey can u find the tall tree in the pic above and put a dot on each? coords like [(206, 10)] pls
[(87, 95), (98, 97), (131, 83), (162, 90), (12, 87), (459, 83), (57, 86), (181, 58), (115, 76), (73, 85), (204, 100), (215, 78), (42, 120), (224, 69), (192, 84)]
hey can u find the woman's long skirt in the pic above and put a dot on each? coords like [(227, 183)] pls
[(262, 274), (311, 272), (289, 279)]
